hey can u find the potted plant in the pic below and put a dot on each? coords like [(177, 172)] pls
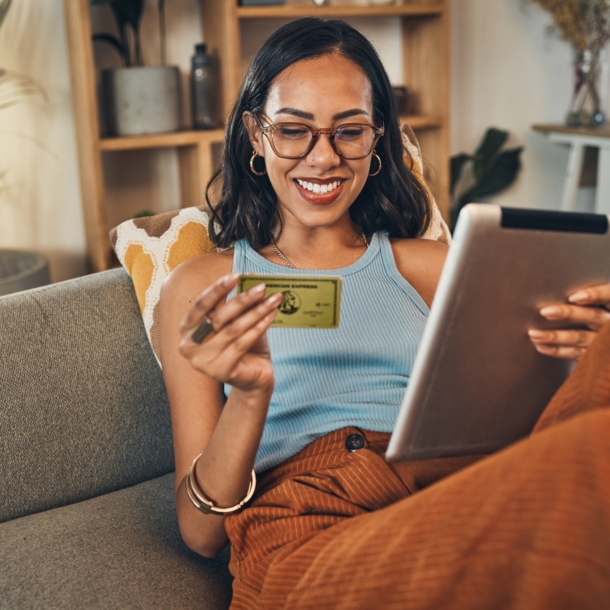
[(138, 99), (491, 171)]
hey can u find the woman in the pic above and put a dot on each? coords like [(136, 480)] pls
[(314, 183)]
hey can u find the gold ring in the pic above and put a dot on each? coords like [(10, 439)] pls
[(203, 331)]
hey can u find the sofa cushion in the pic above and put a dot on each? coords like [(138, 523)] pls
[(120, 550), (83, 408)]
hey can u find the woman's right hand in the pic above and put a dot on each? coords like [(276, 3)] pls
[(237, 352)]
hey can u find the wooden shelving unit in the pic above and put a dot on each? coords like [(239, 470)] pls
[(425, 56), (341, 10), (194, 147), (163, 140)]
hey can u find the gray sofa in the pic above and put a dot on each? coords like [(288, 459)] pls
[(87, 515)]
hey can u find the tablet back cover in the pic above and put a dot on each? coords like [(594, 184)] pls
[(478, 384)]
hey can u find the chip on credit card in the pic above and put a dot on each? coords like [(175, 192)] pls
[(309, 302)]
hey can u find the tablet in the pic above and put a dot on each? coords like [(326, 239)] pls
[(478, 384)]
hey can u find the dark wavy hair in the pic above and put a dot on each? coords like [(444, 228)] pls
[(393, 201)]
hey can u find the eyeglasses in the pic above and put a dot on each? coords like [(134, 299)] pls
[(295, 140)]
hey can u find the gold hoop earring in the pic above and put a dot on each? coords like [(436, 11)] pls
[(378, 161), (254, 155)]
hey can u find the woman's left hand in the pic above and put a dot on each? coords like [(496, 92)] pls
[(588, 308)]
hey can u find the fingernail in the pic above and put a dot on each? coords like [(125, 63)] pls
[(230, 279), (545, 349), (537, 334), (258, 288), (276, 298), (579, 297), (551, 312)]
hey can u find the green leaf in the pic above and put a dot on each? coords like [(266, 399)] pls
[(128, 12), (457, 164), (454, 212), (114, 42), (499, 175), (490, 145)]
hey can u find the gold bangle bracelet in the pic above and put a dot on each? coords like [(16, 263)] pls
[(204, 504)]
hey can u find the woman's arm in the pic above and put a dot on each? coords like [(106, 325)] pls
[(228, 433)]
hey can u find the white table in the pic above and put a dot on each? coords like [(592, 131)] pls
[(578, 138)]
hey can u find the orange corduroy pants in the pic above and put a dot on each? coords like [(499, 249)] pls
[(527, 527)]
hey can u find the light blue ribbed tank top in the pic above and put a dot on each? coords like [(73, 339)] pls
[(354, 375)]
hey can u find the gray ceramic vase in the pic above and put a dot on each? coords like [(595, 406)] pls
[(141, 100)]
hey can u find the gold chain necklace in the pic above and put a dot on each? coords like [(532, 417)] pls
[(289, 264)]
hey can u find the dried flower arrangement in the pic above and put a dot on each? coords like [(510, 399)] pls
[(585, 24)]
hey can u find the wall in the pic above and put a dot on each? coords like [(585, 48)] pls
[(506, 72), (509, 73), (39, 190)]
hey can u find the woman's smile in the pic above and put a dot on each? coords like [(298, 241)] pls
[(320, 192)]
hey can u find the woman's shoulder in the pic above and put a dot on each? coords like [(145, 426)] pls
[(195, 274), (420, 262), (428, 251)]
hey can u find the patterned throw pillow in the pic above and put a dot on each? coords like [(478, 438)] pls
[(151, 247)]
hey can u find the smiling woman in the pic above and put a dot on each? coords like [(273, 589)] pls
[(327, 80), (314, 179)]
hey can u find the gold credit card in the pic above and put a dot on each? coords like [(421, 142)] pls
[(309, 302)]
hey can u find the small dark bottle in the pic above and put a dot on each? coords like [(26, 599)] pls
[(203, 89)]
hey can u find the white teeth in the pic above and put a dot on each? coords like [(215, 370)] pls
[(314, 187)]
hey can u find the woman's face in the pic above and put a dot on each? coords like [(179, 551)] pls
[(322, 93)]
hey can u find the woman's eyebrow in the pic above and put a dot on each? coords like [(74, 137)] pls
[(308, 115), (348, 113), (300, 113)]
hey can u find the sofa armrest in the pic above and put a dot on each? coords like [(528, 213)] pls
[(83, 408)]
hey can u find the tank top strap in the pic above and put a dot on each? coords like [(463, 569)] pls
[(240, 248)]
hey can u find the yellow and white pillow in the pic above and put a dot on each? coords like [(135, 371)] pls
[(151, 247)]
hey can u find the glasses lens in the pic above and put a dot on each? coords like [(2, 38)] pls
[(353, 141), (291, 139)]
